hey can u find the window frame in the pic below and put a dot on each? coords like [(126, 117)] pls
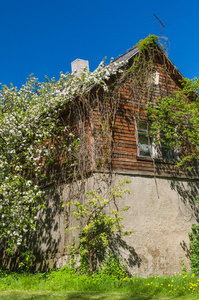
[(155, 148), (152, 147), (153, 79)]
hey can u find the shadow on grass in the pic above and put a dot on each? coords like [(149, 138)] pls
[(76, 296)]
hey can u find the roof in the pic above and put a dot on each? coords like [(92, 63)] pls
[(128, 55), (131, 53)]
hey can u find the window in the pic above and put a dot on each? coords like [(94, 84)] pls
[(167, 152), (156, 77), (153, 78), (147, 146)]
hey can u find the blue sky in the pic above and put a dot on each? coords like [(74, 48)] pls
[(43, 36)]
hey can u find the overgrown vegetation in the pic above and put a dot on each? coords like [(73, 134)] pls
[(45, 130), (194, 248), (99, 226), (44, 126), (175, 120), (63, 283), (34, 139)]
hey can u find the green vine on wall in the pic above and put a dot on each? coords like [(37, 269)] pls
[(45, 126)]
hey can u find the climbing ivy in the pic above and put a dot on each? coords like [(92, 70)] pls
[(34, 136), (176, 117)]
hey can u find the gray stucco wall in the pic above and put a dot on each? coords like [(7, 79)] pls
[(161, 215), (162, 211)]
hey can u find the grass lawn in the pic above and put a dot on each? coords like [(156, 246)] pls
[(66, 285), (44, 295)]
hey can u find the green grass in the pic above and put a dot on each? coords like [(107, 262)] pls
[(66, 285)]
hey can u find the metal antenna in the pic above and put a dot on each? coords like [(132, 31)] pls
[(160, 23)]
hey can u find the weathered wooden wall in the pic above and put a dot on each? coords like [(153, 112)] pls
[(130, 111)]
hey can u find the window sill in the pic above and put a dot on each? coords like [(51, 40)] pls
[(145, 158), (158, 160)]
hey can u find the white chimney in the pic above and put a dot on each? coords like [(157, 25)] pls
[(79, 65)]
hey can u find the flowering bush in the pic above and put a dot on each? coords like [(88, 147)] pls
[(31, 135)]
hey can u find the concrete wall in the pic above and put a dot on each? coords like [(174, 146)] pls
[(162, 211), (161, 215)]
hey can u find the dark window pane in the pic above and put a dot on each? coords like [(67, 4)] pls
[(167, 152), (142, 126)]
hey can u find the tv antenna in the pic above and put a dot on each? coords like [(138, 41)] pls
[(160, 23)]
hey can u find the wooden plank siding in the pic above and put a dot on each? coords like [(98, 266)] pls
[(125, 145), (118, 152)]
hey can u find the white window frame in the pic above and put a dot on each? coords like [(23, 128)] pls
[(153, 78), (150, 146), (154, 150)]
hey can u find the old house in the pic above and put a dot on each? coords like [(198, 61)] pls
[(115, 144)]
